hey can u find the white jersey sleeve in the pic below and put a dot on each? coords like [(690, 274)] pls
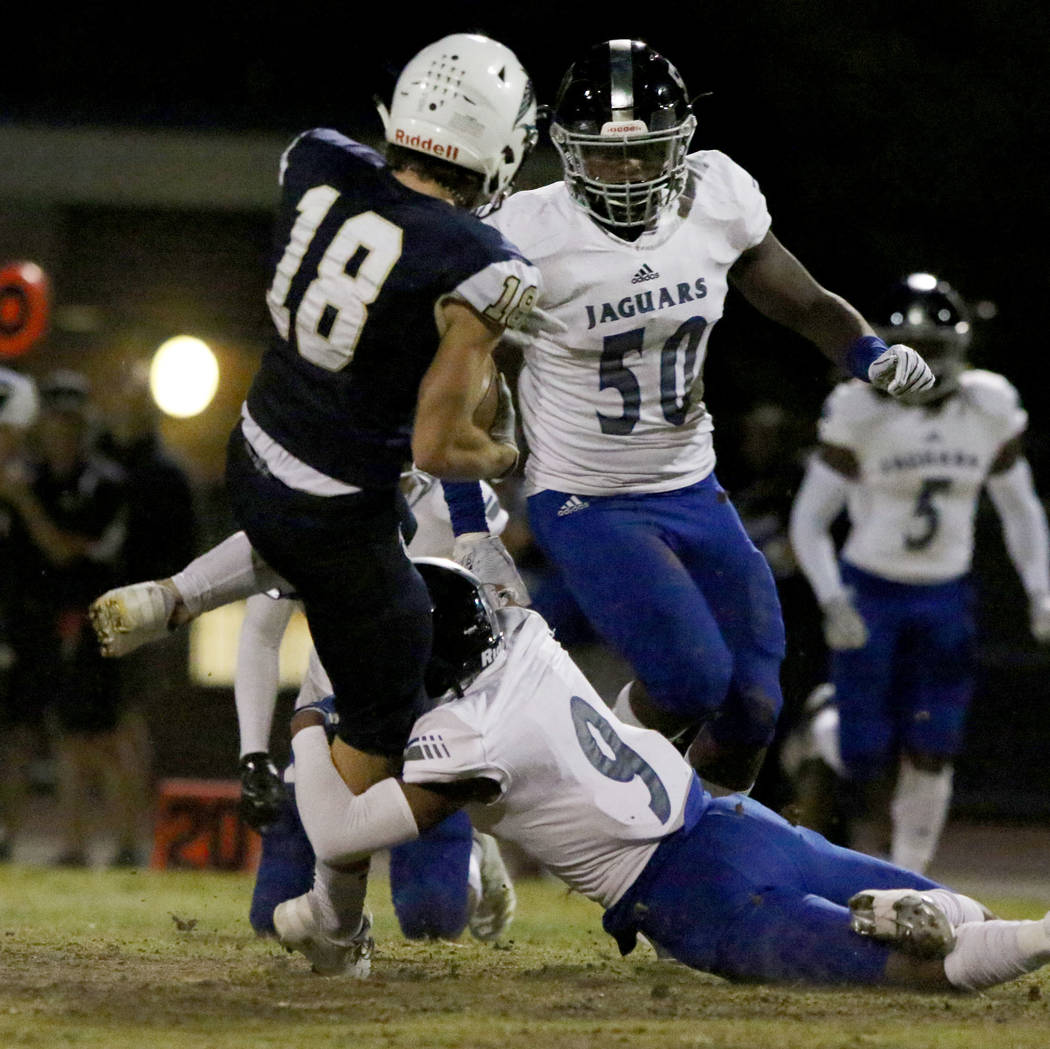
[(585, 794), (995, 397), (615, 402)]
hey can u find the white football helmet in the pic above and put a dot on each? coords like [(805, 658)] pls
[(19, 402), (467, 100)]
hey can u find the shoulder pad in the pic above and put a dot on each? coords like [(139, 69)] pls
[(989, 392)]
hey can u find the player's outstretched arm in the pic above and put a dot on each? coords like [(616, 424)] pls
[(344, 827), (778, 285), (1012, 492), (820, 499), (446, 441)]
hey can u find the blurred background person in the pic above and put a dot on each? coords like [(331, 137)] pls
[(21, 725), (898, 606), (71, 505)]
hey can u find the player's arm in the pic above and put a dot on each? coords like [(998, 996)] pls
[(820, 499), (1012, 492), (778, 285), (445, 440), (344, 827)]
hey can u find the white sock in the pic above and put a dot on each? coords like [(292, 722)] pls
[(958, 909), (228, 572), (919, 810), (988, 953), (338, 900), (622, 707)]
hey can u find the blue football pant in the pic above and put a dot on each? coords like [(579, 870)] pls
[(747, 896), (672, 582), (909, 688)]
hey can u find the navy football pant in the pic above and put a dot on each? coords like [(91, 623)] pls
[(909, 688), (367, 607), (744, 894), (673, 583)]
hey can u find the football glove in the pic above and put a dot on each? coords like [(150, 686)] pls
[(527, 326), (487, 557), (326, 708), (900, 370), (1039, 617), (844, 626), (262, 791), (504, 428)]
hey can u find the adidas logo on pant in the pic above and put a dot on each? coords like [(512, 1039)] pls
[(572, 505)]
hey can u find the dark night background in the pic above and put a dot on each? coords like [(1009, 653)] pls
[(887, 137)]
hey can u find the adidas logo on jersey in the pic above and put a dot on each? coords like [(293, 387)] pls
[(644, 274), (571, 505)]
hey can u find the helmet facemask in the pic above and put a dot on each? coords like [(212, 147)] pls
[(625, 176)]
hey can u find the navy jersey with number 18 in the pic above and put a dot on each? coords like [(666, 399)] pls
[(360, 263)]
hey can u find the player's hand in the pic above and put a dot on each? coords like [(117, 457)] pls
[(900, 370), (527, 326), (262, 791), (1039, 617), (504, 428), (487, 557), (844, 627)]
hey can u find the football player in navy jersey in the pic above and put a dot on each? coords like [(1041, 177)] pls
[(388, 297)]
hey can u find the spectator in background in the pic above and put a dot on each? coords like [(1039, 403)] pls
[(21, 726), (71, 505)]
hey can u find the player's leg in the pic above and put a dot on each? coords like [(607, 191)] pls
[(939, 657), (428, 881), (638, 596), (738, 586), (866, 682)]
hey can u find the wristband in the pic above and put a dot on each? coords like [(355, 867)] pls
[(861, 353), (466, 506)]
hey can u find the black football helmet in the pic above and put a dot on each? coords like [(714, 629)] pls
[(622, 124), (928, 314), (467, 635)]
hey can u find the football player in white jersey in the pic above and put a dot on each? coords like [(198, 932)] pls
[(898, 614), (452, 876), (519, 737), (636, 249)]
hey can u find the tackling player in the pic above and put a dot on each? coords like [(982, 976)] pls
[(519, 736), (898, 609), (637, 248)]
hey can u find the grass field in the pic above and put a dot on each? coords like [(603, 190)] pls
[(166, 960)]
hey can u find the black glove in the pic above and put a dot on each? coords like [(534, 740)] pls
[(262, 791)]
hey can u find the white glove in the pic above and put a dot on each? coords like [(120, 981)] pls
[(843, 625), (487, 557), (1039, 617), (526, 326), (900, 370)]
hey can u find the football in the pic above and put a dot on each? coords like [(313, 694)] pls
[(488, 399)]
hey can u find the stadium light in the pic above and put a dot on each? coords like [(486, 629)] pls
[(183, 376)]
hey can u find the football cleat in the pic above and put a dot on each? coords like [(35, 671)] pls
[(904, 918), (262, 791), (495, 909), (131, 616), (298, 930)]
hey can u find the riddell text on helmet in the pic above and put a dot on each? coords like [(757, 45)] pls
[(425, 145)]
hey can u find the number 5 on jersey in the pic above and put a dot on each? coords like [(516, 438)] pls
[(327, 317)]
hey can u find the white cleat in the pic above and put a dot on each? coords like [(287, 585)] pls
[(131, 616), (495, 910), (904, 918), (298, 930)]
